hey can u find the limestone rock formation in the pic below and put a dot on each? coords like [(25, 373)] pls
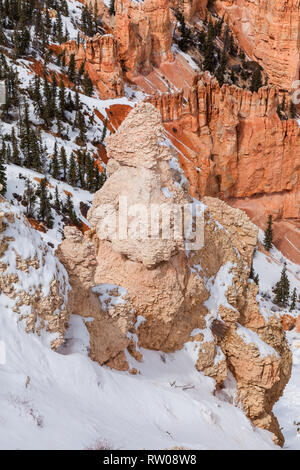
[(237, 148), (100, 57), (144, 34), (160, 292), (32, 282), (268, 30), (189, 8)]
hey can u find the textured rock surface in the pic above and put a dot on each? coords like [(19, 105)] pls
[(144, 34), (268, 30), (100, 55), (190, 7), (235, 147), (155, 294), (34, 283)]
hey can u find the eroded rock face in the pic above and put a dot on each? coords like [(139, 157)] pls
[(160, 295), (268, 30), (144, 34), (237, 148), (190, 7), (100, 56), (32, 282)]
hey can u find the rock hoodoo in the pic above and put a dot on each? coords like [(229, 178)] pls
[(144, 34), (100, 57), (145, 292)]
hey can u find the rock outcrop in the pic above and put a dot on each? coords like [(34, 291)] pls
[(234, 146), (32, 283), (100, 57), (268, 30), (189, 8), (150, 275), (144, 33)]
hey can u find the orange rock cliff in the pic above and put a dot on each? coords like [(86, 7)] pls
[(233, 145), (269, 32), (100, 56), (231, 142)]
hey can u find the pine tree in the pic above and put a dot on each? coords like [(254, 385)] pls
[(15, 149), (29, 198), (45, 208), (293, 300), (268, 240), (57, 204), (72, 68), (184, 31), (63, 162), (208, 63), (104, 131), (112, 10), (55, 163), (256, 81), (62, 100), (3, 178), (81, 127), (72, 174), (282, 289), (69, 210), (58, 34), (87, 85)]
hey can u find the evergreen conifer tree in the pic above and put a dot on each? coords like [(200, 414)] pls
[(293, 300), (268, 240), (63, 162), (112, 10), (256, 81), (282, 289), (3, 178)]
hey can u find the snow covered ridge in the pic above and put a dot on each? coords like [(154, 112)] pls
[(33, 283)]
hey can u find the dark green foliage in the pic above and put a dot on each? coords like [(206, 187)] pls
[(15, 149), (282, 289), (293, 300), (256, 81), (221, 69), (185, 34), (3, 178), (45, 207), (62, 100), (268, 240), (209, 51), (55, 163), (29, 198), (87, 85), (69, 211), (104, 131), (63, 162), (112, 10), (88, 23), (57, 203), (71, 68), (72, 173)]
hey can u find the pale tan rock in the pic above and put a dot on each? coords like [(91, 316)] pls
[(163, 290)]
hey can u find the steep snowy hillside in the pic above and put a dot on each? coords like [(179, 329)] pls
[(53, 159), (63, 400)]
